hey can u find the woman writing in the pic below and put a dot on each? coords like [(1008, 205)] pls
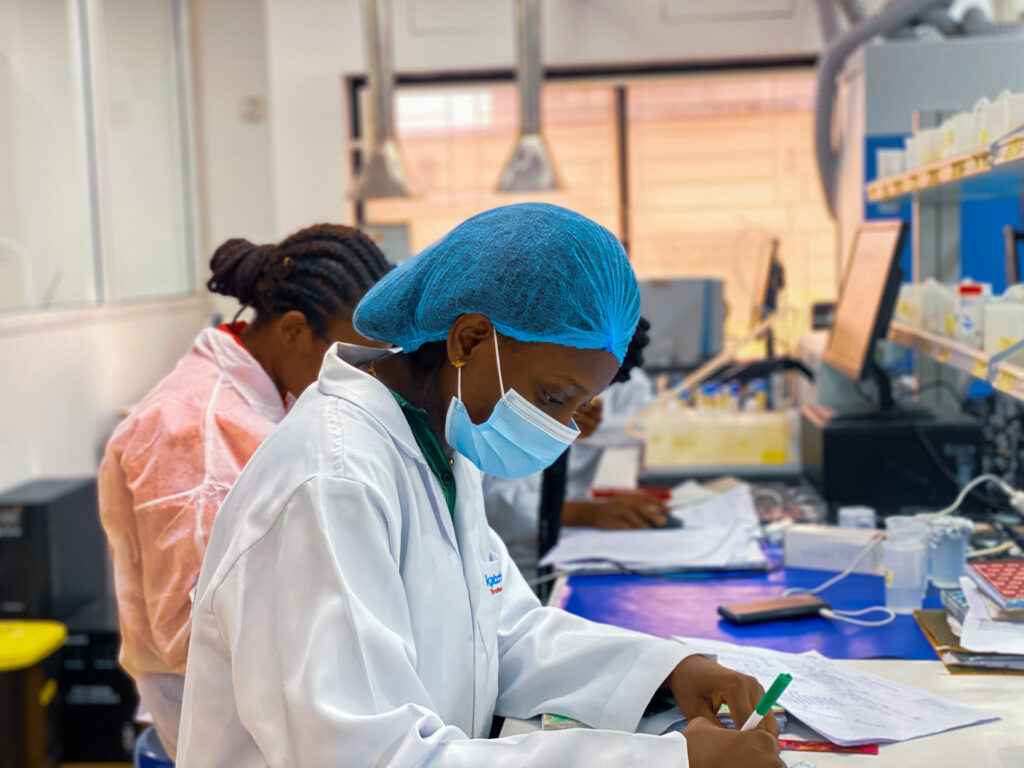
[(170, 464), (354, 607)]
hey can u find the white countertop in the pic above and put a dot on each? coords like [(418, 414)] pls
[(993, 745)]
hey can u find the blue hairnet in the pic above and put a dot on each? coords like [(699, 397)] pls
[(537, 271)]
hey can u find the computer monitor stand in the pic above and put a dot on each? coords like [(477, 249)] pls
[(885, 410)]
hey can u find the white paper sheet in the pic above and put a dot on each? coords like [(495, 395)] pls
[(689, 493), (735, 507), (656, 550), (720, 533), (843, 704), (981, 632)]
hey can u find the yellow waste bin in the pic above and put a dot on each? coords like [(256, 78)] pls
[(30, 734)]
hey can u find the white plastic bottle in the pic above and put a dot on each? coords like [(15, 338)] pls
[(906, 563), (970, 314)]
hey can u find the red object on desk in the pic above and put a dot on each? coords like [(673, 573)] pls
[(654, 491), (798, 745), (1002, 580)]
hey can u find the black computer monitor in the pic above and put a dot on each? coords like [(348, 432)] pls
[(867, 300), (769, 279)]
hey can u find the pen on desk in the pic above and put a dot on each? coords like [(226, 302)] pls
[(764, 706)]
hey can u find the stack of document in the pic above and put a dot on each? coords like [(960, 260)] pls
[(990, 636), (982, 629), (720, 533), (840, 702)]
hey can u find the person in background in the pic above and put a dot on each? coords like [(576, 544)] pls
[(513, 505), (355, 609), (170, 464)]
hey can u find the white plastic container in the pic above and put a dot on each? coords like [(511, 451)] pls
[(910, 161), (1004, 324), (1004, 114), (910, 304), (970, 314), (997, 122), (905, 579), (939, 306), (890, 162), (958, 134), (929, 146), (906, 563), (857, 517), (1014, 111), (948, 537), (981, 129)]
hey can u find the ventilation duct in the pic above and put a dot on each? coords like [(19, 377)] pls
[(530, 168), (895, 16), (383, 175)]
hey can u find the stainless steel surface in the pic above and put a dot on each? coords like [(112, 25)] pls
[(383, 174), (530, 167)]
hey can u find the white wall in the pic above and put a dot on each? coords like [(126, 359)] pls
[(65, 374), (233, 134), (313, 44)]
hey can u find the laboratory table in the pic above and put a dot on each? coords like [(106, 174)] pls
[(686, 605), (993, 745)]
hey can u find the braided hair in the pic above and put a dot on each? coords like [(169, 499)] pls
[(634, 352), (317, 271)]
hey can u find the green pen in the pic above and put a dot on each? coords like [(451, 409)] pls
[(764, 706)]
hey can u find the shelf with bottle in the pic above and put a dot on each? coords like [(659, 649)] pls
[(1004, 370), (992, 170), (941, 348)]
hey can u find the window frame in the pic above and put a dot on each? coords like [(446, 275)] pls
[(617, 77), (86, 37)]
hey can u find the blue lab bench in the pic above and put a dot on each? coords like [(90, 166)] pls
[(687, 606)]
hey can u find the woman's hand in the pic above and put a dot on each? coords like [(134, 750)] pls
[(711, 746), (700, 686), (588, 417), (628, 510)]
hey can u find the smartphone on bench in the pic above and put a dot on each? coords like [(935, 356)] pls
[(779, 609)]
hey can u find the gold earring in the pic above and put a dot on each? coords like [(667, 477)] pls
[(458, 363)]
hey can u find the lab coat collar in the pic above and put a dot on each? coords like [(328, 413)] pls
[(243, 370), (339, 377)]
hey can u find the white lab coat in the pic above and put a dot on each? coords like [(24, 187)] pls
[(513, 506), (341, 618)]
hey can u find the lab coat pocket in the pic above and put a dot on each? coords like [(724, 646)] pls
[(489, 609)]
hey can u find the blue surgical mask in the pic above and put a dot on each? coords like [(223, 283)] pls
[(518, 439)]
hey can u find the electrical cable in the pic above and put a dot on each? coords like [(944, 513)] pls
[(875, 541), (936, 459), (980, 480), (847, 616), (1006, 546)]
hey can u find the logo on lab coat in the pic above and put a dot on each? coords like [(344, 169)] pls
[(494, 583)]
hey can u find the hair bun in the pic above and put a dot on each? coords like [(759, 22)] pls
[(237, 267)]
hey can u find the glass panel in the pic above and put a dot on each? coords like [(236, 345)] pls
[(456, 141), (147, 245), (719, 166), (46, 251)]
